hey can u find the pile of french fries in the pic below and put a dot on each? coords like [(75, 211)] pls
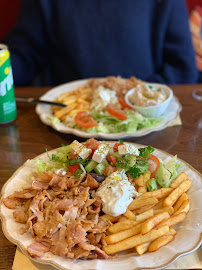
[(76, 101), (147, 223)]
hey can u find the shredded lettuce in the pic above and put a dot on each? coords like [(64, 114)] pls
[(110, 124), (49, 166), (167, 172), (56, 161), (172, 166), (54, 120), (41, 166)]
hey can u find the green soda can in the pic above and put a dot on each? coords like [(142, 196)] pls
[(7, 97)]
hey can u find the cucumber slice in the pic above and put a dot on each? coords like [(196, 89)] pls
[(105, 162), (152, 184), (115, 154), (91, 165), (142, 165), (100, 168), (131, 160), (163, 176)]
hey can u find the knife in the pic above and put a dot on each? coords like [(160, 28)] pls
[(39, 101)]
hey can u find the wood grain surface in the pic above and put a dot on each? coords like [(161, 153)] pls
[(27, 137)]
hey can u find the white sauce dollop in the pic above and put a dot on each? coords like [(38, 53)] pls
[(116, 193)]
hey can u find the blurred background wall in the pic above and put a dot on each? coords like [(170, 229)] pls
[(9, 10)]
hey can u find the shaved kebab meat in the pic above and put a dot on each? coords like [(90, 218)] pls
[(62, 216)]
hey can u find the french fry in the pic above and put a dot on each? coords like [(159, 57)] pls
[(116, 237), (161, 241), (146, 176), (139, 181), (129, 214), (145, 215), (135, 240), (137, 203), (65, 110), (121, 226), (183, 208), (122, 218), (69, 100), (159, 193), (179, 179), (142, 248), (168, 209), (174, 219), (142, 189), (143, 209), (180, 201), (176, 193), (149, 224), (171, 232), (77, 101), (73, 112), (159, 205)]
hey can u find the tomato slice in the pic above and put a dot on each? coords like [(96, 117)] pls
[(124, 105), (116, 112), (72, 155), (154, 164), (73, 168), (92, 144), (116, 145), (85, 120), (112, 159)]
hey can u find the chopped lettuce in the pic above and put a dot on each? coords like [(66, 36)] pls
[(54, 120), (167, 172), (172, 166), (56, 161), (50, 166), (41, 166), (110, 124)]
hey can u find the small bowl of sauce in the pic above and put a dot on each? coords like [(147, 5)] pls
[(149, 99)]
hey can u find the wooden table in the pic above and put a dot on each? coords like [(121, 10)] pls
[(28, 137)]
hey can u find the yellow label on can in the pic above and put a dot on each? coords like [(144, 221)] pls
[(4, 55), (6, 70)]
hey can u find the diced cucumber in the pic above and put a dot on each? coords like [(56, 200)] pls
[(142, 165), (100, 168), (105, 162), (115, 154), (152, 184), (91, 165), (131, 160), (163, 176)]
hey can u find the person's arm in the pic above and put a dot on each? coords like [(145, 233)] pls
[(179, 64), (28, 41)]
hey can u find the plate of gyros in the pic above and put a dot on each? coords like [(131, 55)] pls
[(104, 205), (102, 108)]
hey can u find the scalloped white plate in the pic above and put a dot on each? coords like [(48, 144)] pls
[(171, 113), (187, 239)]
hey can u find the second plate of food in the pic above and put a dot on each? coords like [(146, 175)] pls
[(98, 108)]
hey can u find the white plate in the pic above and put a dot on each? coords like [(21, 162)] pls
[(187, 239), (44, 111)]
